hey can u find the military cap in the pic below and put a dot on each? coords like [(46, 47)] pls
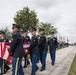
[(1, 32), (24, 31), (16, 26), (52, 32), (33, 29), (41, 29)]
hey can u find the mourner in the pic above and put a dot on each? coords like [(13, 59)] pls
[(52, 41), (33, 49), (17, 51), (43, 48), (26, 39), (3, 65)]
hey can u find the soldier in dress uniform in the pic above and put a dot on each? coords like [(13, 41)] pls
[(17, 51), (3, 65), (34, 50), (52, 41), (43, 48), (26, 38)]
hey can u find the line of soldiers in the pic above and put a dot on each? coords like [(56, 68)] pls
[(38, 49)]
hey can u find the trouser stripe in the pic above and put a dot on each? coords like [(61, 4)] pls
[(16, 69)]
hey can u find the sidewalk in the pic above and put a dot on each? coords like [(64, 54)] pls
[(64, 58)]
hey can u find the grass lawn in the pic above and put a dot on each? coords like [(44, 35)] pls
[(72, 70)]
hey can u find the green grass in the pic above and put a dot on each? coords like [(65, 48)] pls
[(72, 70)]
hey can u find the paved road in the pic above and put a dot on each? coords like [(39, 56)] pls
[(64, 58)]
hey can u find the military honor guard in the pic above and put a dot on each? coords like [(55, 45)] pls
[(52, 41), (26, 39), (17, 51), (43, 48), (34, 50), (3, 65)]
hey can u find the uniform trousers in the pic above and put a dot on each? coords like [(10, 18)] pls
[(43, 55), (34, 58), (17, 67), (3, 65), (53, 55)]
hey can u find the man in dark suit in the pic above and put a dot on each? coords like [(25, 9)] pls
[(43, 47), (4, 68), (52, 41), (17, 51), (26, 38), (34, 50)]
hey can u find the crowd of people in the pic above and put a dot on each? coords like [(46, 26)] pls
[(38, 48)]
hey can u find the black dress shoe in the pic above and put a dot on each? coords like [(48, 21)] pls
[(24, 66), (53, 64), (42, 69)]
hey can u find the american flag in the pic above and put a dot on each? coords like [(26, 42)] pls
[(5, 50), (0, 49), (4, 53)]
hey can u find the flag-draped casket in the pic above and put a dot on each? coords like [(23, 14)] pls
[(5, 50)]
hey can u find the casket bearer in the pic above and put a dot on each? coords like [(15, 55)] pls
[(3, 65), (26, 39), (17, 51), (34, 50), (43, 48), (52, 41)]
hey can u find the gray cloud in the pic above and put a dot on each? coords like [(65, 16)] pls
[(45, 4), (61, 13)]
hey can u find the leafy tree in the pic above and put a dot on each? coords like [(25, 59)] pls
[(26, 18), (7, 33), (47, 27)]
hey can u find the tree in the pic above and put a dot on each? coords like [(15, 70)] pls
[(7, 33), (26, 18), (47, 27)]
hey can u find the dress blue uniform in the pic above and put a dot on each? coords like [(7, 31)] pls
[(17, 53), (52, 41), (34, 50), (26, 39), (2, 61), (43, 47)]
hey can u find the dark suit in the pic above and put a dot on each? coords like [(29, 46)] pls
[(34, 45), (6, 67), (43, 46), (17, 45), (42, 43), (34, 53), (17, 52), (52, 41)]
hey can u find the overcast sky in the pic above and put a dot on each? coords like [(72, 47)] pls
[(61, 13)]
